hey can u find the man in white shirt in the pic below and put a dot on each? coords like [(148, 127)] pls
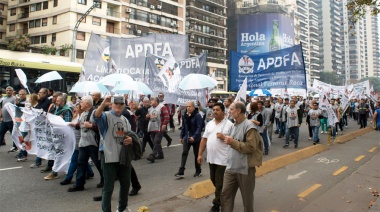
[(216, 149)]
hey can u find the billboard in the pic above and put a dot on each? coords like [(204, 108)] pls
[(260, 33)]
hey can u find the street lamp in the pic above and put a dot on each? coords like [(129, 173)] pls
[(74, 53)]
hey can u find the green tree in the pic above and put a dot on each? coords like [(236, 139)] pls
[(359, 8), (19, 44), (330, 77), (373, 81)]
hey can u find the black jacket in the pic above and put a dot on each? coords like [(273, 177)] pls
[(143, 122), (43, 104)]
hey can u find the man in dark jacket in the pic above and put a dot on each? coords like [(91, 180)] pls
[(190, 136), (141, 112), (43, 101)]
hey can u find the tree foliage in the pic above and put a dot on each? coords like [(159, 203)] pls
[(330, 77), (375, 81), (19, 44), (359, 8)]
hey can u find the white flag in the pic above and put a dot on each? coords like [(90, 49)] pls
[(242, 94), (22, 77)]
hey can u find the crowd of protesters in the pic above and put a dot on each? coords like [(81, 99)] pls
[(150, 118)]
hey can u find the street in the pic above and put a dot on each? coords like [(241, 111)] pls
[(298, 187)]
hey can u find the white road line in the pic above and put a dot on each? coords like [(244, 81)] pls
[(18, 167), (172, 145)]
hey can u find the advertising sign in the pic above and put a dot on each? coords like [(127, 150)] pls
[(260, 33)]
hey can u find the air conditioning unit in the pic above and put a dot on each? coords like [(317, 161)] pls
[(152, 7), (192, 46), (128, 26), (152, 21), (128, 10), (172, 24), (159, 7), (138, 31)]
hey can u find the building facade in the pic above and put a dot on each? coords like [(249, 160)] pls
[(206, 26)]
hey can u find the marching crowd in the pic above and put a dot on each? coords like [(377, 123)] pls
[(109, 132)]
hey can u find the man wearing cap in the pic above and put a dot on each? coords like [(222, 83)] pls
[(158, 117), (113, 129)]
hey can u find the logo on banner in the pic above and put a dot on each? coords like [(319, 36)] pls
[(106, 54), (171, 76), (246, 65)]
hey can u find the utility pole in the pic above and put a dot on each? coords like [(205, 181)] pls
[(74, 51)]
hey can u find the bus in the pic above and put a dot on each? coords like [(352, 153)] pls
[(35, 65), (222, 94)]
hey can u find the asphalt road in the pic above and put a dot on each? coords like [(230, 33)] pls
[(24, 189)]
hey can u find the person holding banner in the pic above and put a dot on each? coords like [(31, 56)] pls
[(6, 119), (114, 129)]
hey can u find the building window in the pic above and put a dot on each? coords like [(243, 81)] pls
[(13, 11), (1, 35), (44, 22), (53, 38), (81, 36), (2, 7), (54, 20), (99, 5), (38, 6), (79, 16), (43, 38), (45, 5), (80, 54), (32, 7), (1, 21), (82, 2), (37, 23), (55, 3), (96, 21), (12, 27), (35, 40), (31, 24)]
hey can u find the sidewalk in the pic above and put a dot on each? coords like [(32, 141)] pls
[(186, 204)]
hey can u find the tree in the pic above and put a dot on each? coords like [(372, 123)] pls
[(359, 8), (19, 44), (329, 77), (373, 81)]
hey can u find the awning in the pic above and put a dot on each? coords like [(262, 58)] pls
[(42, 64)]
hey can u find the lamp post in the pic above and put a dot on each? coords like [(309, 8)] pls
[(74, 53)]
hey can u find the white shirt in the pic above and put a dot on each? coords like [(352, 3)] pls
[(217, 150)]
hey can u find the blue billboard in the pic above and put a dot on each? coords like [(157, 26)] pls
[(260, 33)]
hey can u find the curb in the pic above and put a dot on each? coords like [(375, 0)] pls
[(344, 138), (205, 188)]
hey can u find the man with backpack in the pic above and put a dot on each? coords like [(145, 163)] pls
[(88, 145)]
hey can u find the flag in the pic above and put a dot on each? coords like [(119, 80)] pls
[(22, 77), (242, 94)]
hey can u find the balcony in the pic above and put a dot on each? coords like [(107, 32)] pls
[(112, 13), (23, 15), (112, 30), (22, 32)]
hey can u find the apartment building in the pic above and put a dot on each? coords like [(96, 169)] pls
[(3, 20), (52, 22), (206, 25)]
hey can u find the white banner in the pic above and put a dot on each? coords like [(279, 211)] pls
[(332, 119), (242, 94), (45, 135)]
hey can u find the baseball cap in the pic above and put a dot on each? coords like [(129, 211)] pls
[(118, 99)]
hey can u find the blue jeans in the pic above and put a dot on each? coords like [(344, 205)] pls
[(292, 131), (315, 133), (84, 154), (282, 128), (277, 125), (264, 135), (73, 166)]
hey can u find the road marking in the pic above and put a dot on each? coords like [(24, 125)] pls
[(359, 158), (327, 161), (337, 172), (373, 149), (18, 167), (172, 145), (309, 190), (292, 177)]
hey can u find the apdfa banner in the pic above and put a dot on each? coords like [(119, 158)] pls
[(267, 32), (279, 69)]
